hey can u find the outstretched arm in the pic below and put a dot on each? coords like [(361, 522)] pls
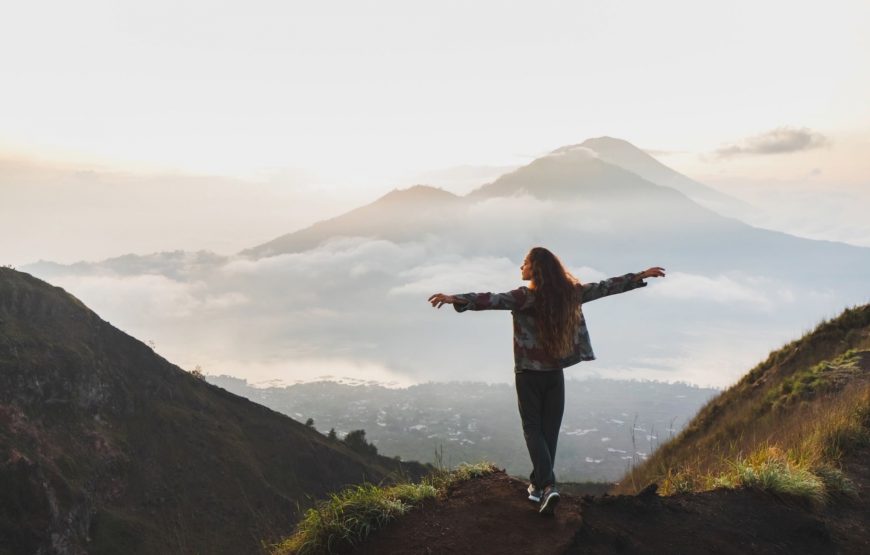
[(440, 299), (516, 299), (620, 284)]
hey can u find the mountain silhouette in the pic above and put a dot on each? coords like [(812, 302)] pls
[(614, 213), (400, 215)]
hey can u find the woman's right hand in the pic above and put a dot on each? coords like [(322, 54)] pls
[(440, 299)]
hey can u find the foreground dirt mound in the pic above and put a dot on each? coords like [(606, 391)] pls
[(492, 515), (487, 515)]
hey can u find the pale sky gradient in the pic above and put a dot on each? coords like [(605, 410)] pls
[(363, 93), (139, 127)]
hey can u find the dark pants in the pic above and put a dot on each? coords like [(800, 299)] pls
[(541, 399)]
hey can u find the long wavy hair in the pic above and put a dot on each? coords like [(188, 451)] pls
[(556, 302)]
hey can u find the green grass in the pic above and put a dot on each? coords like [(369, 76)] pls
[(802, 461), (350, 516), (808, 401), (442, 479), (826, 376), (774, 472)]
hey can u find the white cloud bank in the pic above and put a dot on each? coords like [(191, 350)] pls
[(357, 308)]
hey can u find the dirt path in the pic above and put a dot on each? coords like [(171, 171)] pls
[(492, 515), (486, 515)]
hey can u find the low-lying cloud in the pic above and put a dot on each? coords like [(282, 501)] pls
[(357, 307)]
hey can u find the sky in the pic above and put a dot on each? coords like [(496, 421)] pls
[(322, 106), (360, 93), (193, 125)]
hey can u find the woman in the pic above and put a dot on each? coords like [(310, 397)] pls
[(549, 334)]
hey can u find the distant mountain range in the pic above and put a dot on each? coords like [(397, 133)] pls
[(349, 292), (105, 447), (645, 211)]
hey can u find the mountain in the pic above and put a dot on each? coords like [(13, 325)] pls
[(574, 197), (569, 173), (627, 156), (399, 215), (105, 447), (569, 177)]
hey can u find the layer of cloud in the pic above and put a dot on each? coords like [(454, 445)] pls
[(777, 141), (356, 307)]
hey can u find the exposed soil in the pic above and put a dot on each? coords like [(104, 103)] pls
[(487, 515), (492, 515)]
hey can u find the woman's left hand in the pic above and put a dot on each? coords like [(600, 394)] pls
[(655, 271)]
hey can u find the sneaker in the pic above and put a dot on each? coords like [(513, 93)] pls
[(534, 493), (549, 500)]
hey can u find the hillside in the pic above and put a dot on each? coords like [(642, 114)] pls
[(105, 447), (788, 447), (794, 402)]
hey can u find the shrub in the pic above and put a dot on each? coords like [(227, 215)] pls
[(356, 440), (835, 481), (346, 518)]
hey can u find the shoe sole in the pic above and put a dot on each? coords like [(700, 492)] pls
[(534, 499), (550, 504)]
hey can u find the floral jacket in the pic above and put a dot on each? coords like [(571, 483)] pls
[(528, 354)]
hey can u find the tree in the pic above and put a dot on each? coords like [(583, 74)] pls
[(332, 435), (356, 440), (198, 373), (310, 422)]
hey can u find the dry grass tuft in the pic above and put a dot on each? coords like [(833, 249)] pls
[(348, 517), (784, 427)]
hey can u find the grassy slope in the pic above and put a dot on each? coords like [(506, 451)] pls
[(799, 410), (107, 447)]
